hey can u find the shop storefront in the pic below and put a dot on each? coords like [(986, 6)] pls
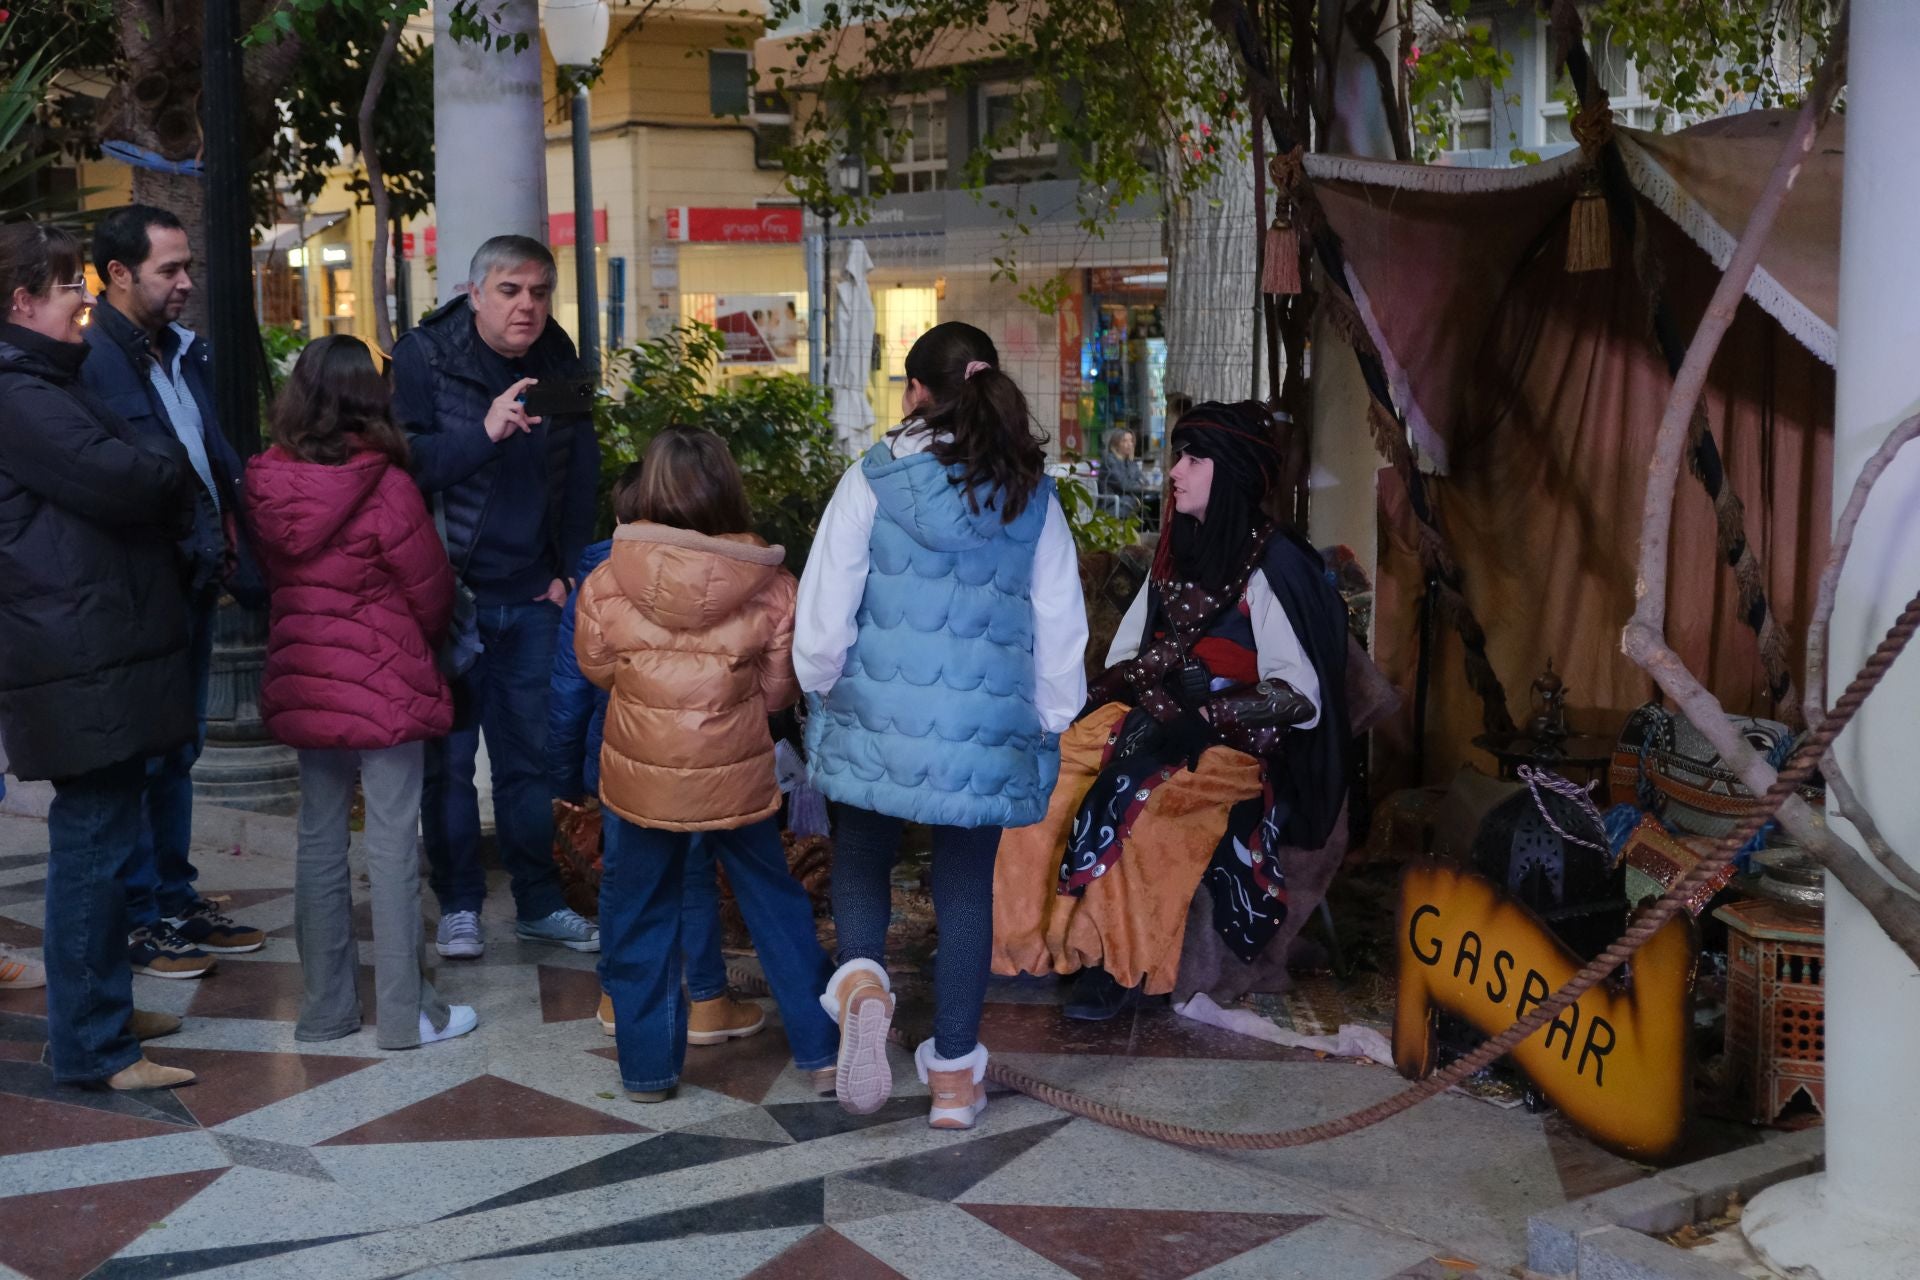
[(740, 270), (1095, 362)]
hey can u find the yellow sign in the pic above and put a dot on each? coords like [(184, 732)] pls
[(1615, 1062)]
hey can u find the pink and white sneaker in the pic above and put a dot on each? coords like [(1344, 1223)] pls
[(958, 1085), (860, 998)]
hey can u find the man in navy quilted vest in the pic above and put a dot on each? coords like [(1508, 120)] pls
[(515, 494)]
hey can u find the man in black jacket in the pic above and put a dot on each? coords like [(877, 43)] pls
[(93, 623), (152, 371), (516, 492)]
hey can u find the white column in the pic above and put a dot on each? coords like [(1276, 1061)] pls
[(489, 137), (1860, 1220)]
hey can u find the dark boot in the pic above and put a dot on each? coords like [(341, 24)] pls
[(1096, 997)]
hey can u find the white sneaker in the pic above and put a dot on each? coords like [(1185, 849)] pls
[(18, 972), (459, 936), (460, 1019)]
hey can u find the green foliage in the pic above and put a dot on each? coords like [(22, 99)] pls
[(1137, 95), (1698, 59), (472, 21), (281, 344), (320, 107), (20, 99), (1452, 54), (776, 425), (1092, 528)]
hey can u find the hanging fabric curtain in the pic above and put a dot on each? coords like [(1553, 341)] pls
[(849, 363)]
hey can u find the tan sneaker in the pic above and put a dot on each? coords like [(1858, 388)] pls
[(147, 1074), (605, 1015), (148, 1025), (860, 998), (18, 973), (824, 1081), (958, 1086), (723, 1018)]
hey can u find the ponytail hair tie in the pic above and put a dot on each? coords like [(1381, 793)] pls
[(976, 366)]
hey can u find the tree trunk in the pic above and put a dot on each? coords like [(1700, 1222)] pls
[(157, 106), (377, 182), (489, 135), (1212, 285)]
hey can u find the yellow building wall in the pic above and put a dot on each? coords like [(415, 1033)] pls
[(656, 145)]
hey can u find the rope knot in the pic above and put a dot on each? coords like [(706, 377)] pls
[(1592, 125)]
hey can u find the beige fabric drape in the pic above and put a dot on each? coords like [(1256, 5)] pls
[(1548, 438)]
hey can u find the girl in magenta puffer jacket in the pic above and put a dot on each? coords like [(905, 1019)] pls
[(362, 595)]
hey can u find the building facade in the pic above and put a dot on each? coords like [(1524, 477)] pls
[(939, 252)]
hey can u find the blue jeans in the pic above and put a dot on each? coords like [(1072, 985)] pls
[(508, 685), (159, 877), (700, 923), (93, 827), (641, 883)]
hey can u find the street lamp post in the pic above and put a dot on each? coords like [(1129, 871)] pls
[(576, 35)]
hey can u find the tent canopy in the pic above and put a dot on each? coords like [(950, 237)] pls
[(1536, 395)]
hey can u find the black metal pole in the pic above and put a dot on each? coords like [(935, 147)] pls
[(233, 334), (586, 277), (826, 289)]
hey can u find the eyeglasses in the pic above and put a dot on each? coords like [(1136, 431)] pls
[(81, 285)]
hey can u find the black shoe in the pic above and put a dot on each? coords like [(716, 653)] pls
[(1096, 997)]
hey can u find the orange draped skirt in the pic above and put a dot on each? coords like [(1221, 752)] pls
[(1130, 921)]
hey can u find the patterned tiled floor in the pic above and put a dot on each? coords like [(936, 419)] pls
[(512, 1153)]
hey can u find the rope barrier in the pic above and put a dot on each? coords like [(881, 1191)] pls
[(1648, 922)]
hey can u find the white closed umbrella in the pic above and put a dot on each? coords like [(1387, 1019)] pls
[(847, 366)]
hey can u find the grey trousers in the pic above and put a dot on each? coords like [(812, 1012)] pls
[(323, 896)]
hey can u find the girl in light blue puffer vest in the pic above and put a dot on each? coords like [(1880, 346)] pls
[(940, 639)]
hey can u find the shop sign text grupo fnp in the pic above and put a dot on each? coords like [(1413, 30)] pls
[(777, 225), (1614, 1062)]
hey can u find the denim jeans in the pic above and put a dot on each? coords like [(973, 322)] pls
[(643, 870), (159, 877), (865, 847), (509, 685), (700, 923), (93, 826)]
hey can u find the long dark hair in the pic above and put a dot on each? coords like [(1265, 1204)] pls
[(336, 402), (1246, 466), (690, 481), (993, 440)]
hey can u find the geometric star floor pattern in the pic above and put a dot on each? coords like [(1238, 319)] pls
[(512, 1153)]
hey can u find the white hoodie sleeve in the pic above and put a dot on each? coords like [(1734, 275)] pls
[(832, 584), (1277, 650), (835, 580), (1059, 625), (1131, 632)]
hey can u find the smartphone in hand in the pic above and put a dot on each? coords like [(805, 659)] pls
[(551, 396)]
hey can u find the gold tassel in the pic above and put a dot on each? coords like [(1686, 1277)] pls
[(1281, 274), (1589, 233)]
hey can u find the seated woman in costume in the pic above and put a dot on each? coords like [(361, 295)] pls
[(1217, 737)]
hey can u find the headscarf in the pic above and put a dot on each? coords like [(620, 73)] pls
[(1246, 467)]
